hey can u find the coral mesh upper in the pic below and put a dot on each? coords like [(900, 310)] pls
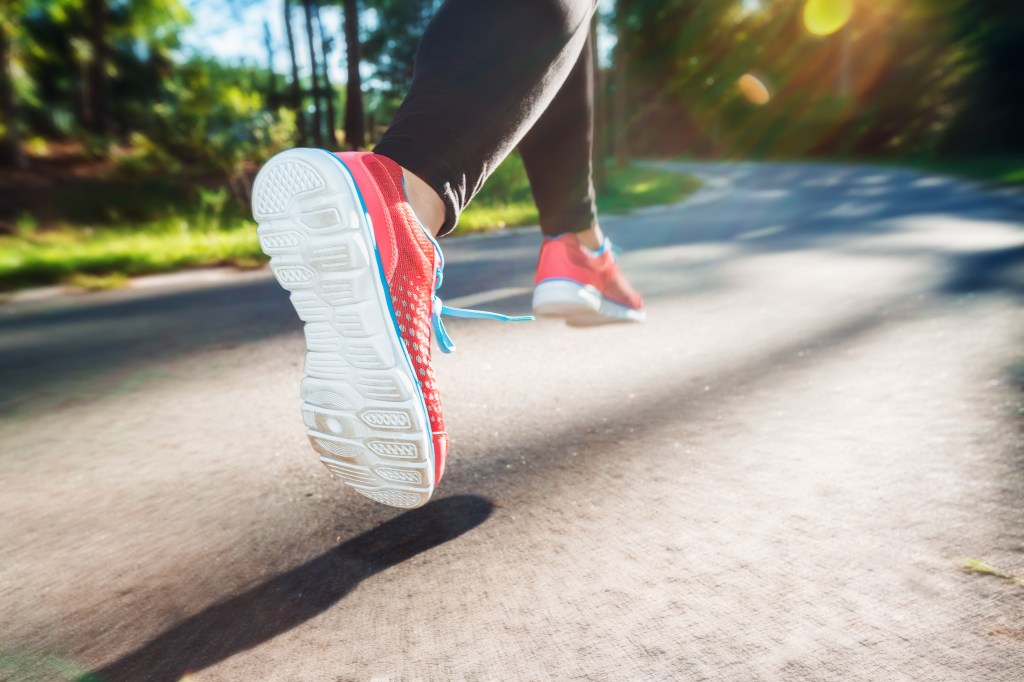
[(410, 263), (564, 257)]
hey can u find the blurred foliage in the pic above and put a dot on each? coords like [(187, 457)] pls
[(168, 112), (390, 48), (53, 50), (900, 77), (917, 79), (212, 231), (215, 115)]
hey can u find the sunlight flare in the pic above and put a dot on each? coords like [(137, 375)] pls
[(753, 89), (825, 17)]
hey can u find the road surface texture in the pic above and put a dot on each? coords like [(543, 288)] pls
[(779, 476)]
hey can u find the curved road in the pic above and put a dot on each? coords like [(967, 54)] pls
[(778, 477)]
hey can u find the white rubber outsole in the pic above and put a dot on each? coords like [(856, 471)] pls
[(361, 402), (579, 305)]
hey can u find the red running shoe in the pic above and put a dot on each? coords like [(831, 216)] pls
[(582, 286), (363, 275)]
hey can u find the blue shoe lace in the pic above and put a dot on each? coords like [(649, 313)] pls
[(444, 341)]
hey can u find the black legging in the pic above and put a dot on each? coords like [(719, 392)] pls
[(491, 74)]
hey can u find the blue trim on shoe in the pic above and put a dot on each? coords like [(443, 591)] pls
[(391, 306), (605, 245)]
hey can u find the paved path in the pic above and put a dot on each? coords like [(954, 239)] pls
[(776, 478)]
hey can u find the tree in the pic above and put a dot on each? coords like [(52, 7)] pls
[(10, 140), (990, 33), (620, 123), (600, 119), (300, 117), (272, 97), (391, 46), (355, 133), (329, 92), (98, 91), (318, 131), (55, 81)]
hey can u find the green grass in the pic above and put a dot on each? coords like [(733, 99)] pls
[(1001, 170), (40, 667), (506, 200), (101, 256), (998, 170), (485, 217), (633, 187)]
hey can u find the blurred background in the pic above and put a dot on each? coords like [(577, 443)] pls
[(130, 130)]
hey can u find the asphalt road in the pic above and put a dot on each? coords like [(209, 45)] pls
[(778, 477)]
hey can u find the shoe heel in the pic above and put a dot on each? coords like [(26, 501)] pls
[(564, 299)]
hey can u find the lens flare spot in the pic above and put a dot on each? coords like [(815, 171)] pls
[(753, 89), (824, 17)]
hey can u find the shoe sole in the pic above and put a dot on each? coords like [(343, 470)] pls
[(361, 403), (579, 305)]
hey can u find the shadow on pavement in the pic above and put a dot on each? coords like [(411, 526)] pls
[(55, 350), (292, 598), (987, 271)]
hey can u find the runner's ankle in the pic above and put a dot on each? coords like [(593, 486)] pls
[(425, 202), (592, 237)]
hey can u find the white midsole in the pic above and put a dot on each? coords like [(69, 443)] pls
[(579, 304)]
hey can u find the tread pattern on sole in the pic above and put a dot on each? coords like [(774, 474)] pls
[(275, 188), (361, 403)]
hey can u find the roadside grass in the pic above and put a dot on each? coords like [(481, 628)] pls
[(1003, 170), (997, 170), (506, 200), (98, 256), (95, 259)]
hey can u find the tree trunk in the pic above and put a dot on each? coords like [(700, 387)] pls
[(355, 132), (10, 143), (318, 131), (620, 108), (272, 96), (99, 122), (300, 116), (599, 145), (329, 94)]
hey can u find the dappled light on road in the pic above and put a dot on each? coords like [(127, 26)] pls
[(812, 395)]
